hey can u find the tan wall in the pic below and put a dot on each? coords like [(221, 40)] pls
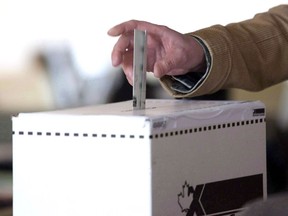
[(271, 97)]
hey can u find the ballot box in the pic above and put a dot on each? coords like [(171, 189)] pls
[(173, 158)]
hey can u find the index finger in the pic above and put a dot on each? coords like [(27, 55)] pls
[(122, 28), (129, 26)]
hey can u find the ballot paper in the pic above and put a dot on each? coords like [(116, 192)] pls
[(139, 70)]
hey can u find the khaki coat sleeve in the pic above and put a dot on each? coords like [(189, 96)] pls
[(250, 55)]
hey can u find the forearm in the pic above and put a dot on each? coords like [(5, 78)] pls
[(250, 55)]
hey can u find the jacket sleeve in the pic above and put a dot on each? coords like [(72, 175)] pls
[(250, 55)]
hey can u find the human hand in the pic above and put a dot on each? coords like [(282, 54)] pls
[(168, 51)]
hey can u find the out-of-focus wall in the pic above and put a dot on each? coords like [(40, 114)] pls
[(270, 96)]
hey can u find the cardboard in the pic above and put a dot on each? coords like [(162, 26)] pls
[(176, 157)]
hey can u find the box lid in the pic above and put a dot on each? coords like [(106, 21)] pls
[(158, 115)]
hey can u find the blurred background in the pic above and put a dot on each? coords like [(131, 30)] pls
[(55, 54)]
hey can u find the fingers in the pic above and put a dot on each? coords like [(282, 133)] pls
[(123, 45), (129, 26), (125, 42), (123, 28), (122, 53), (127, 66)]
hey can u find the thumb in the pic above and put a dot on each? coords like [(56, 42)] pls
[(163, 67)]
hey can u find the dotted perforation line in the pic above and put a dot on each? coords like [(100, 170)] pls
[(67, 134), (207, 128), (154, 136)]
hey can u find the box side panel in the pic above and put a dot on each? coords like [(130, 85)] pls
[(212, 169), (62, 173)]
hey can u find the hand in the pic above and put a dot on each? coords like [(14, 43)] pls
[(168, 52)]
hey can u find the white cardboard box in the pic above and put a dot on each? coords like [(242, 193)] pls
[(175, 158)]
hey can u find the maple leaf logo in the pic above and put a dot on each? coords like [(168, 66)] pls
[(185, 198), (189, 200)]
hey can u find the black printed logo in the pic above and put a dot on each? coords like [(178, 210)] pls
[(259, 112), (220, 198)]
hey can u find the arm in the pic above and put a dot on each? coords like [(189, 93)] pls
[(250, 55)]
